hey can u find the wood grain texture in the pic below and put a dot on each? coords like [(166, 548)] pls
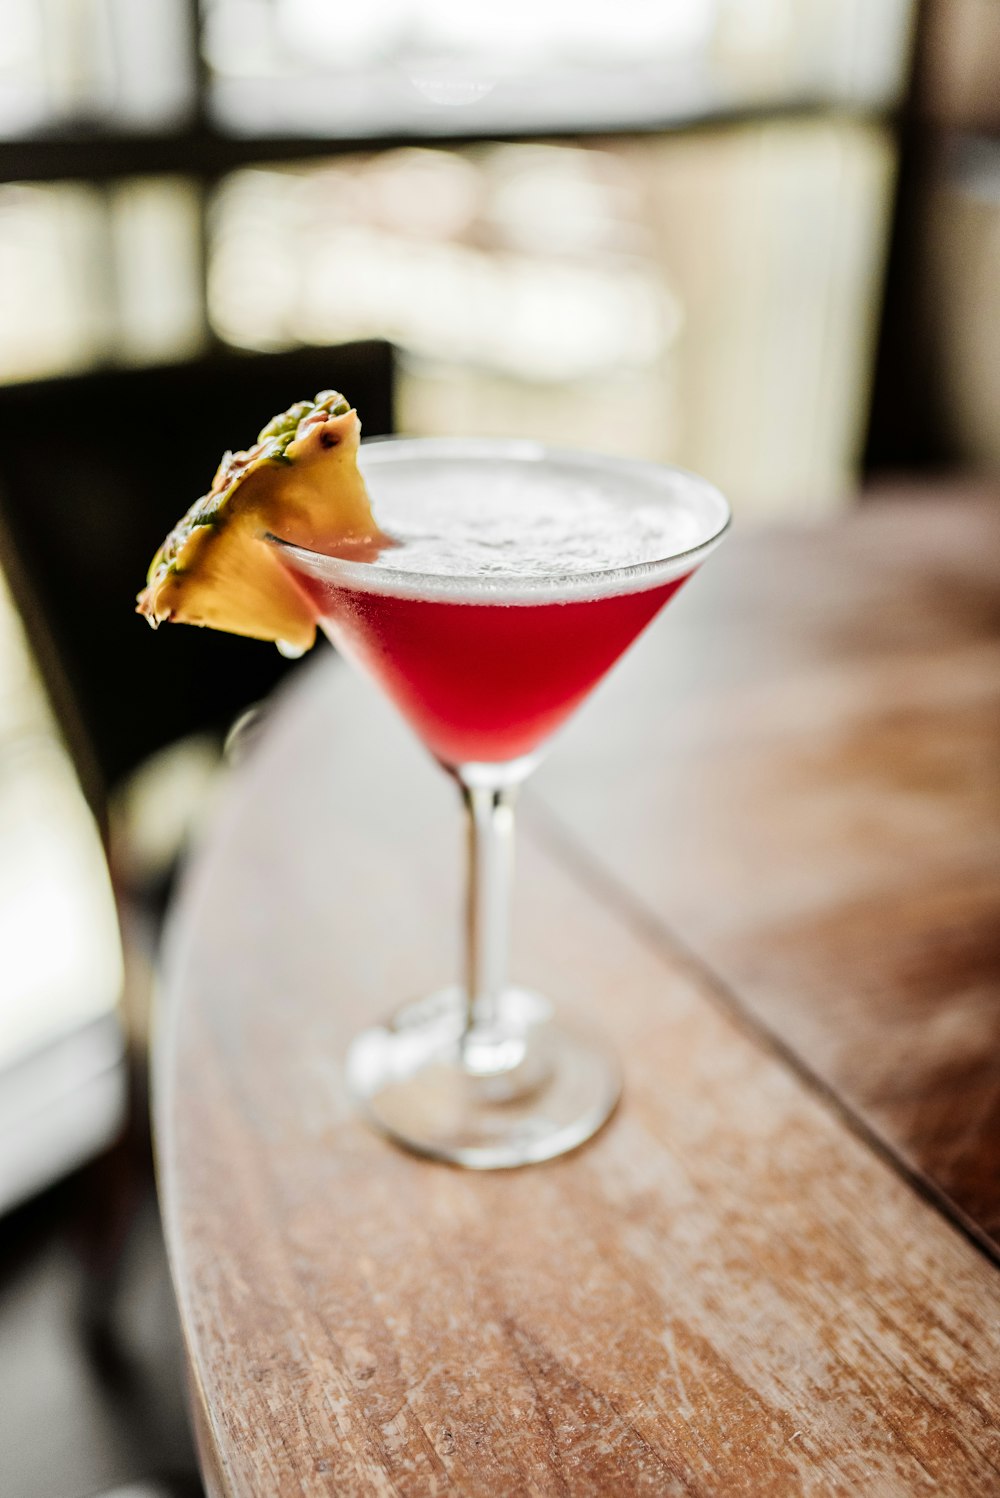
[(727, 1292), (812, 802)]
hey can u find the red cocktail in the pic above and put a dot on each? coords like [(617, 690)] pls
[(518, 577), (485, 682)]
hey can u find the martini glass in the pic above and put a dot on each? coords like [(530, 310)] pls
[(519, 576)]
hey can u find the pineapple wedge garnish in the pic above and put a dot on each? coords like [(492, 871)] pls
[(300, 482)]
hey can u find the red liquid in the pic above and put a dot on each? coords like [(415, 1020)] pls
[(485, 681)]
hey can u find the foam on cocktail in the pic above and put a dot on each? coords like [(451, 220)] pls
[(476, 528), (512, 585)]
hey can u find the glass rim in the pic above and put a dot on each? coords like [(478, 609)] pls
[(456, 587)]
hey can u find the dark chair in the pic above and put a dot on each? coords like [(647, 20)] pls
[(94, 470)]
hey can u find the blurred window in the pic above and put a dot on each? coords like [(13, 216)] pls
[(530, 260), (51, 248), (307, 66), (94, 273), (125, 63), (62, 1089), (708, 300)]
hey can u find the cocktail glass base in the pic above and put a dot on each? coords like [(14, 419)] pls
[(527, 1088)]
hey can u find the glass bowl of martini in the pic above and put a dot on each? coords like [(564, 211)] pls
[(516, 577)]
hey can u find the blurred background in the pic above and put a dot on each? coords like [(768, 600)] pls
[(759, 238)]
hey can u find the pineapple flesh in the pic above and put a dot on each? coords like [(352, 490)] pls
[(300, 482)]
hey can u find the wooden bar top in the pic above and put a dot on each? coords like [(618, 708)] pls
[(764, 859)]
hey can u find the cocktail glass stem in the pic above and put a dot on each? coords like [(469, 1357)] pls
[(490, 817)]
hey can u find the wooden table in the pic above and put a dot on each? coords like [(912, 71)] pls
[(765, 859)]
